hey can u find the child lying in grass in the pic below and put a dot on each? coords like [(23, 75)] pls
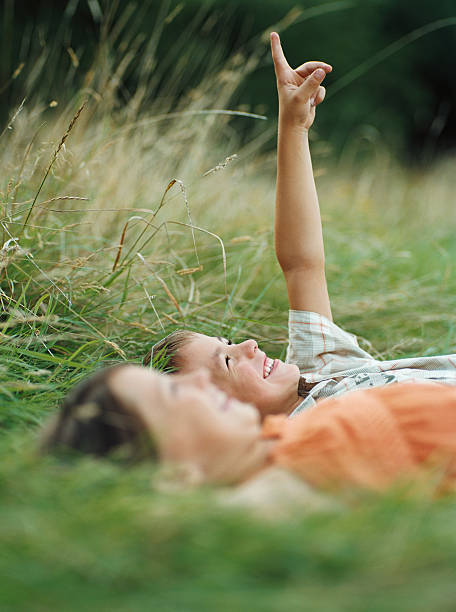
[(322, 359), (366, 439)]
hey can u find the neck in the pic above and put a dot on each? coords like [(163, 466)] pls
[(299, 394), (285, 405), (258, 461), (246, 465), (294, 404)]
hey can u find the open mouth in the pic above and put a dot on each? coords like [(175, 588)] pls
[(267, 367)]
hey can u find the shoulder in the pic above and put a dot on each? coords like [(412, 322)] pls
[(315, 341)]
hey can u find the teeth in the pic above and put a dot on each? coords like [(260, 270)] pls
[(268, 367)]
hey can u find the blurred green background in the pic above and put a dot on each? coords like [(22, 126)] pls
[(393, 80), (91, 535)]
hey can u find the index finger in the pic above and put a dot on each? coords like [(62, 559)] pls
[(281, 66), (304, 70)]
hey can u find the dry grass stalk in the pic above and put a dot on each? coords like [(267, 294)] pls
[(222, 165), (116, 348), (170, 318), (186, 271), (57, 198), (30, 319), (148, 224), (54, 157), (150, 298), (222, 246), (169, 294), (9, 125), (121, 243)]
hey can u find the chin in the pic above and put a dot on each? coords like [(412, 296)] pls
[(295, 369), (295, 374)]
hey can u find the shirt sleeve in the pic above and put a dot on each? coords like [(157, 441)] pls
[(320, 348)]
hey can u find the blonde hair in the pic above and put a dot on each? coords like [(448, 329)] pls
[(164, 355)]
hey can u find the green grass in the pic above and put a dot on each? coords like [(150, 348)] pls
[(93, 536)]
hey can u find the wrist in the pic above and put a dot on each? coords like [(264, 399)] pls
[(291, 125)]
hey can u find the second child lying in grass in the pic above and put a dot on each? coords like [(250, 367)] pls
[(368, 439), (322, 359)]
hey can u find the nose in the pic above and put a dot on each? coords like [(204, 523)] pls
[(248, 347)]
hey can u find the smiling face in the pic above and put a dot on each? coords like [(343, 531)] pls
[(194, 423), (244, 372)]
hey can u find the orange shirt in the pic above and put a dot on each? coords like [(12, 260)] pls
[(370, 438)]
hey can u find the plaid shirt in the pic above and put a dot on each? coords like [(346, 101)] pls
[(329, 356)]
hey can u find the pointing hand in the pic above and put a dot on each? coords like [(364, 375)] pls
[(299, 90)]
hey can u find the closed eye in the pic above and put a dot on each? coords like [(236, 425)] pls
[(229, 341), (226, 341)]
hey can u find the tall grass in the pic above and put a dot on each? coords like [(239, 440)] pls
[(102, 228), (131, 217)]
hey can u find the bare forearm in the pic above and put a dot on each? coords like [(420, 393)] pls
[(298, 233)]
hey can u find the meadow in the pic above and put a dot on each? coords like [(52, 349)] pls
[(120, 224)]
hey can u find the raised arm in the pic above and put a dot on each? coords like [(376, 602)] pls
[(297, 227)]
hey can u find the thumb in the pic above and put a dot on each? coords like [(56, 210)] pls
[(309, 88)]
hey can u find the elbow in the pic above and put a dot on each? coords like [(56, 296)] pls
[(293, 263)]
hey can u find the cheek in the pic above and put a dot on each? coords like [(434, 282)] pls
[(248, 381), (215, 450), (238, 383), (192, 442)]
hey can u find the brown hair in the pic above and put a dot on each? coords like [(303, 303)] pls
[(164, 355), (94, 421)]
